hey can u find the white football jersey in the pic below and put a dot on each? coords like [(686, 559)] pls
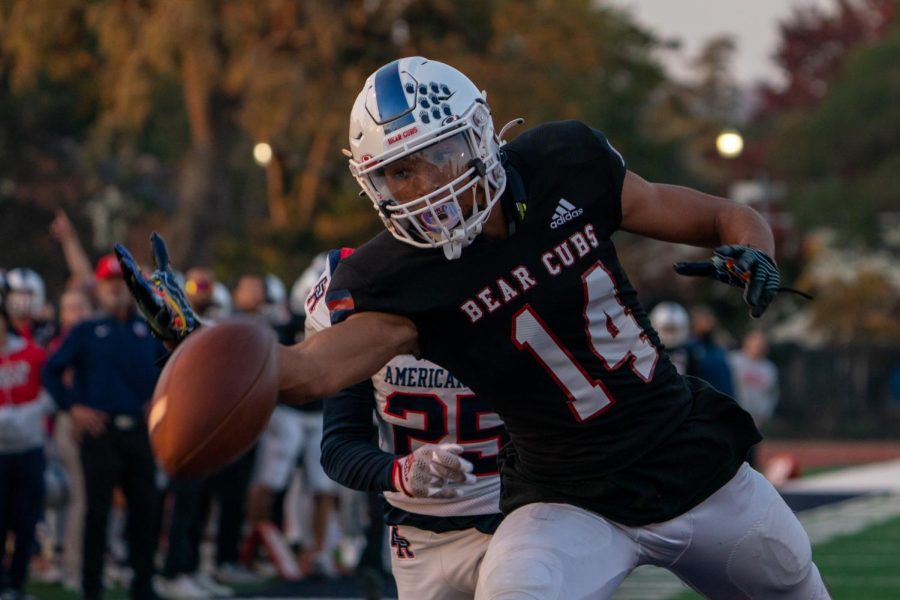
[(418, 402)]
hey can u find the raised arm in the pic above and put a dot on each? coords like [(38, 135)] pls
[(343, 355), (80, 271)]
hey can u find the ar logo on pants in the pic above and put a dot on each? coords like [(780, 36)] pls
[(404, 549)]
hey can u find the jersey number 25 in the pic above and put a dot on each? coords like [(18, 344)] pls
[(477, 429)]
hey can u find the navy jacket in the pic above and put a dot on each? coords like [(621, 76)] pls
[(114, 365)]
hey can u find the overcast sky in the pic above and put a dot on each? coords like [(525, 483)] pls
[(752, 23)]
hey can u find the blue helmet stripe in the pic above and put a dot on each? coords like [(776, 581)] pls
[(393, 108)]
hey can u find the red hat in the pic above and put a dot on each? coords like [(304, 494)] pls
[(108, 267)]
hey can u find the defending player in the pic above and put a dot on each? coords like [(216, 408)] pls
[(437, 463), (615, 459)]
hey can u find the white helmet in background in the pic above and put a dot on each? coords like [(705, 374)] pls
[(221, 300), (276, 293), (301, 288), (672, 322), (26, 292), (275, 307), (419, 108)]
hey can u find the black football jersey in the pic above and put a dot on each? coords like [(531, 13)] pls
[(547, 329)]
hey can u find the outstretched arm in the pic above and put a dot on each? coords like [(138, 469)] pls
[(742, 239), (343, 355)]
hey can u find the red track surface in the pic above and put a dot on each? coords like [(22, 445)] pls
[(817, 453)]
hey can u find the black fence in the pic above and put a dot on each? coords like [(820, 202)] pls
[(837, 392)]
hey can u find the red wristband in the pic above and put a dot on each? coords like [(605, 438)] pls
[(397, 477)]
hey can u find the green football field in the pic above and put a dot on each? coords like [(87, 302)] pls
[(856, 545), (861, 566)]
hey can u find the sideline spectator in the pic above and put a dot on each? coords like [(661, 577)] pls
[(711, 355), (295, 432), (181, 574), (756, 380), (229, 486), (23, 406), (75, 306), (113, 358), (24, 302), (692, 356)]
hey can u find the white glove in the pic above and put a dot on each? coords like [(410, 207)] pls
[(431, 472)]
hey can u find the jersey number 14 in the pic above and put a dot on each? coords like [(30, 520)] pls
[(615, 337)]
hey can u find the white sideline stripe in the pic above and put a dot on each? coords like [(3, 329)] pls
[(876, 477)]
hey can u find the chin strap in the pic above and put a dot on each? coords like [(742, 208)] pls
[(453, 248)]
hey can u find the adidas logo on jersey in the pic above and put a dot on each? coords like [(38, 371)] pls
[(565, 212)]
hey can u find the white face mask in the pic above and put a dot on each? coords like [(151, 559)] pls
[(19, 304)]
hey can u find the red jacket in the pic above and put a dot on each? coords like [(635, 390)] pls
[(22, 401)]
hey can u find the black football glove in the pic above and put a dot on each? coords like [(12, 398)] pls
[(159, 297), (741, 266)]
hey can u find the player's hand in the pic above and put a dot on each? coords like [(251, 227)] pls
[(61, 228), (432, 471), (159, 297), (87, 420), (741, 266)]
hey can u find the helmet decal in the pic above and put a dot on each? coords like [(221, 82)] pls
[(393, 108)]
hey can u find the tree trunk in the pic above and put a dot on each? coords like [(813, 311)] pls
[(278, 210), (196, 216), (311, 177)]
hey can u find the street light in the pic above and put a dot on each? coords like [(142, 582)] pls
[(729, 144), (262, 154)]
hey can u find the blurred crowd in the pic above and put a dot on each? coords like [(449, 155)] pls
[(83, 504), (699, 347)]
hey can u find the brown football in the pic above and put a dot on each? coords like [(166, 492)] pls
[(214, 396)]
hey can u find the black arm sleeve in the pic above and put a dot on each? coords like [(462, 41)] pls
[(350, 454)]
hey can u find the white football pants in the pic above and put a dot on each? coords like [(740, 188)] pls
[(743, 542), (437, 566)]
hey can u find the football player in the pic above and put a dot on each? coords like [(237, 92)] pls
[(436, 465), (498, 264)]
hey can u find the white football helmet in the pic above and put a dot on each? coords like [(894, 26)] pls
[(671, 322), (221, 301), (416, 113), (27, 294), (275, 308)]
